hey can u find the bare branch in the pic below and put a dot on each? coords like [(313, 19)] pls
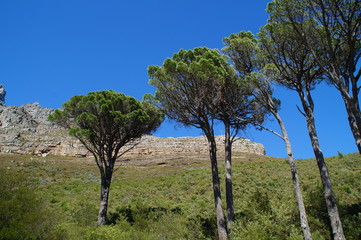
[(298, 108), (271, 131), (130, 148), (267, 129)]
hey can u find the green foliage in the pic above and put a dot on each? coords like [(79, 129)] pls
[(296, 67), (245, 53), (23, 212), (340, 154), (171, 201), (242, 48), (107, 117), (104, 122), (188, 84)]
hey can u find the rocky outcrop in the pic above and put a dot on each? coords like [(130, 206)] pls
[(2, 95), (154, 145), (26, 130), (27, 115)]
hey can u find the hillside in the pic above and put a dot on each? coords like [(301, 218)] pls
[(170, 197)]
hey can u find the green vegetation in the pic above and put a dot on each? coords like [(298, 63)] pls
[(243, 46), (104, 122), (303, 43), (330, 31), (57, 198), (190, 89)]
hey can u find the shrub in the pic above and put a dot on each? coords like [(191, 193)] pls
[(23, 213)]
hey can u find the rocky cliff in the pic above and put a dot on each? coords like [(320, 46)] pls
[(26, 130), (2, 95)]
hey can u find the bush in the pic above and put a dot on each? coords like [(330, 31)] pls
[(23, 213)]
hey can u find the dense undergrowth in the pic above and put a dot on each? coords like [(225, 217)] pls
[(57, 198)]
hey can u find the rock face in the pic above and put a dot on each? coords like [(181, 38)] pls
[(26, 130), (154, 145), (2, 95)]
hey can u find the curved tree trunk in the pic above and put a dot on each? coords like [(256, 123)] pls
[(333, 214), (296, 183), (221, 225), (228, 169)]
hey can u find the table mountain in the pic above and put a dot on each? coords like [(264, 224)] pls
[(26, 130)]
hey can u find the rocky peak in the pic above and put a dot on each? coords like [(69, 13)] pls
[(38, 113), (25, 116), (16, 117), (2, 95)]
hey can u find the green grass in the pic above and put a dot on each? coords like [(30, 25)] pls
[(57, 198)]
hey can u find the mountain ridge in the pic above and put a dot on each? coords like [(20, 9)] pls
[(25, 129)]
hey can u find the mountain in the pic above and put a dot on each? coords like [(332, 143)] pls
[(26, 130)]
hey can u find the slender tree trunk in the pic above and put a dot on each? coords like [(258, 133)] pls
[(333, 214), (221, 225), (353, 117), (228, 169), (104, 196), (296, 183)]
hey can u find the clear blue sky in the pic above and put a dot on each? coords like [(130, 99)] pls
[(52, 50)]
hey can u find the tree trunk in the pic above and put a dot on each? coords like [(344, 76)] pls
[(221, 225), (296, 183), (228, 169), (353, 117), (104, 195), (333, 214)]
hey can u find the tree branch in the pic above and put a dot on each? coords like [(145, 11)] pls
[(267, 129), (298, 108), (271, 131), (130, 148)]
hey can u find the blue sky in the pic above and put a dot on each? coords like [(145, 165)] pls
[(53, 50)]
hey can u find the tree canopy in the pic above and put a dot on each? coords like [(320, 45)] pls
[(244, 51), (188, 91), (105, 121), (187, 84), (331, 31), (299, 70)]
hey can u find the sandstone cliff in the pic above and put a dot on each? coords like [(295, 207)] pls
[(26, 130)]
